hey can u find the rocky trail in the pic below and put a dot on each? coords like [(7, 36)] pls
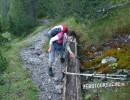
[(36, 62)]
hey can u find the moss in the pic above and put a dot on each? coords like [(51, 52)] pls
[(110, 52), (91, 64), (104, 69), (121, 53)]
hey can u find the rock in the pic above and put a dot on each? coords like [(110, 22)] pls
[(108, 59), (128, 39), (49, 80), (41, 88), (37, 52), (123, 72), (120, 71), (34, 61), (56, 79), (97, 54), (93, 48), (59, 89), (42, 56), (31, 47), (49, 97), (118, 49)]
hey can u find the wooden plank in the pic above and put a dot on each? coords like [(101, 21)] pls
[(72, 85)]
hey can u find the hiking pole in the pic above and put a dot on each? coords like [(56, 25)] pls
[(118, 77), (84, 74)]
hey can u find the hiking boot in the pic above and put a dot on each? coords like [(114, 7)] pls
[(50, 73), (62, 60)]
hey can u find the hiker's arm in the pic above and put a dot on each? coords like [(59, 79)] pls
[(72, 55), (51, 41)]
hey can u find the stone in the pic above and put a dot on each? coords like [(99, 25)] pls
[(34, 61), (49, 97), (37, 52), (109, 59), (42, 56), (59, 89)]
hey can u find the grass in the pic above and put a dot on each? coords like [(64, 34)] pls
[(120, 93), (92, 31), (17, 83), (118, 1), (117, 21), (95, 32), (116, 94)]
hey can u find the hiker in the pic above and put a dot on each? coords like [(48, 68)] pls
[(58, 42)]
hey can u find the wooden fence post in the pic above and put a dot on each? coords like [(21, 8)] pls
[(72, 85)]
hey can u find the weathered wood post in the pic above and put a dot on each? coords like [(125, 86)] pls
[(72, 85)]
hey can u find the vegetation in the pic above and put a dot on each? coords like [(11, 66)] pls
[(121, 93), (20, 15), (95, 21), (3, 40), (3, 63), (17, 15), (121, 53), (15, 82)]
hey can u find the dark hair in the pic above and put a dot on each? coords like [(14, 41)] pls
[(72, 33)]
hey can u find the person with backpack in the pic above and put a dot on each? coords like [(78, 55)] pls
[(58, 36)]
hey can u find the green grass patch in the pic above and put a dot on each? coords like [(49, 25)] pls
[(117, 21), (93, 31), (17, 84), (113, 93), (116, 94), (118, 1)]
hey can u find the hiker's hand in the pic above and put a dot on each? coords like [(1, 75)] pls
[(49, 50), (72, 55)]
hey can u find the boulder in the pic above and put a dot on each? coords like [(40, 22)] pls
[(109, 59)]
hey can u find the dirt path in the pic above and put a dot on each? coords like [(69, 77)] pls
[(36, 62)]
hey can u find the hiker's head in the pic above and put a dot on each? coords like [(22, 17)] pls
[(71, 35), (65, 29)]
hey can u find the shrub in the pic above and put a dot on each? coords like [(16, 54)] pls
[(3, 63), (3, 40)]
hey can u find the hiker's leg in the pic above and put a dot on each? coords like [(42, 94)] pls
[(51, 56), (62, 54), (51, 61), (62, 59)]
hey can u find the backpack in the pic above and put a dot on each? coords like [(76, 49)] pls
[(53, 32)]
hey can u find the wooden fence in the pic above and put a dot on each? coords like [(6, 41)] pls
[(72, 84)]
